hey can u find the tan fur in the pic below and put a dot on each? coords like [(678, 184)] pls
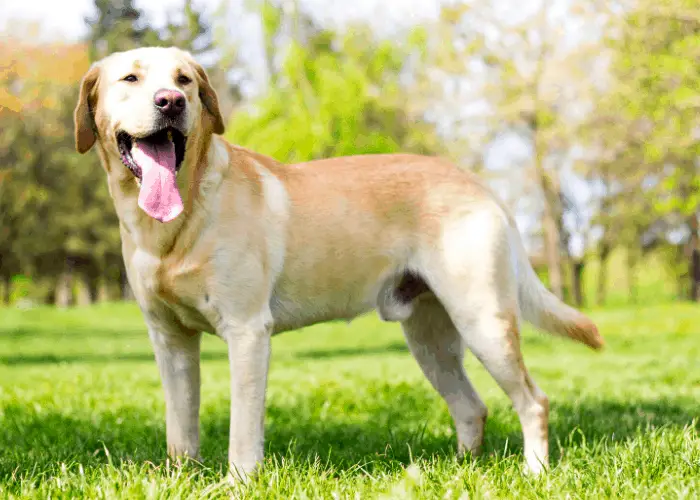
[(263, 247)]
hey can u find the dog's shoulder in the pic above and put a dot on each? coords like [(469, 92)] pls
[(242, 157), (248, 175)]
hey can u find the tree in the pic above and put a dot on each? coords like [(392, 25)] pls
[(38, 158), (656, 91), (333, 102)]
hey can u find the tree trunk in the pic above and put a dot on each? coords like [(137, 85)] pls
[(102, 291), (552, 237), (681, 277), (550, 224), (549, 184), (632, 275), (694, 254), (93, 288), (6, 289), (83, 298), (605, 246), (603, 274), (64, 286), (577, 269), (567, 261)]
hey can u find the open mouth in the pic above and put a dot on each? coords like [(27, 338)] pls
[(155, 161), (168, 137)]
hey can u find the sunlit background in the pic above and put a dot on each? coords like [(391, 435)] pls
[(581, 114)]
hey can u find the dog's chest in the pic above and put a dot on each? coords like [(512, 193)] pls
[(180, 287)]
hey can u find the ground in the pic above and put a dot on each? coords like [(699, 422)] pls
[(349, 413)]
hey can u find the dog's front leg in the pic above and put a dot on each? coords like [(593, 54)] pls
[(249, 353), (177, 356)]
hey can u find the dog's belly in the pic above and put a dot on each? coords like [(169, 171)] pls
[(341, 279), (297, 306), (298, 302), (294, 314)]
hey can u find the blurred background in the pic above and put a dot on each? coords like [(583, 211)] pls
[(582, 115)]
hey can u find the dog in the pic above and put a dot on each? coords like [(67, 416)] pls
[(220, 239)]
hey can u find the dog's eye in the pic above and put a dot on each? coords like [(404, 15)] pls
[(130, 78), (183, 80)]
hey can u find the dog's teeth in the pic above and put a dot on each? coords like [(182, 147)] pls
[(170, 136)]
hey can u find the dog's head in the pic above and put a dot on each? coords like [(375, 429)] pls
[(145, 106)]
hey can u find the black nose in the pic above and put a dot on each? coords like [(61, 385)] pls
[(169, 102)]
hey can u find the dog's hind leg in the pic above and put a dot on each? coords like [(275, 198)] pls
[(438, 348), (494, 339), (476, 283)]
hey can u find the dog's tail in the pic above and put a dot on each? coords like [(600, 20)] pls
[(542, 308)]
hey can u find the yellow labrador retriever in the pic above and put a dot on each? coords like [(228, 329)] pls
[(220, 239)]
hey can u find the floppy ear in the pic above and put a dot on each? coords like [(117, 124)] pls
[(83, 118), (208, 96)]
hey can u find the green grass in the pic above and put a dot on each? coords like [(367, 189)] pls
[(349, 414)]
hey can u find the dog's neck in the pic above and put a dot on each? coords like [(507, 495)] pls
[(146, 233)]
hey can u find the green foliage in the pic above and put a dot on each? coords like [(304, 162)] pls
[(21, 288), (643, 134), (326, 103), (48, 197), (656, 65), (349, 414)]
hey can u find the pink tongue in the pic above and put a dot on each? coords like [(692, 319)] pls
[(159, 196)]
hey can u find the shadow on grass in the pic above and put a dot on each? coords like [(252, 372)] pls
[(34, 440), (352, 351), (408, 435), (39, 359), (91, 358), (54, 334)]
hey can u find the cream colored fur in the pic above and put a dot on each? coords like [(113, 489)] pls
[(262, 248)]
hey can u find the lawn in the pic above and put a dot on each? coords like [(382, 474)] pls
[(349, 413)]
